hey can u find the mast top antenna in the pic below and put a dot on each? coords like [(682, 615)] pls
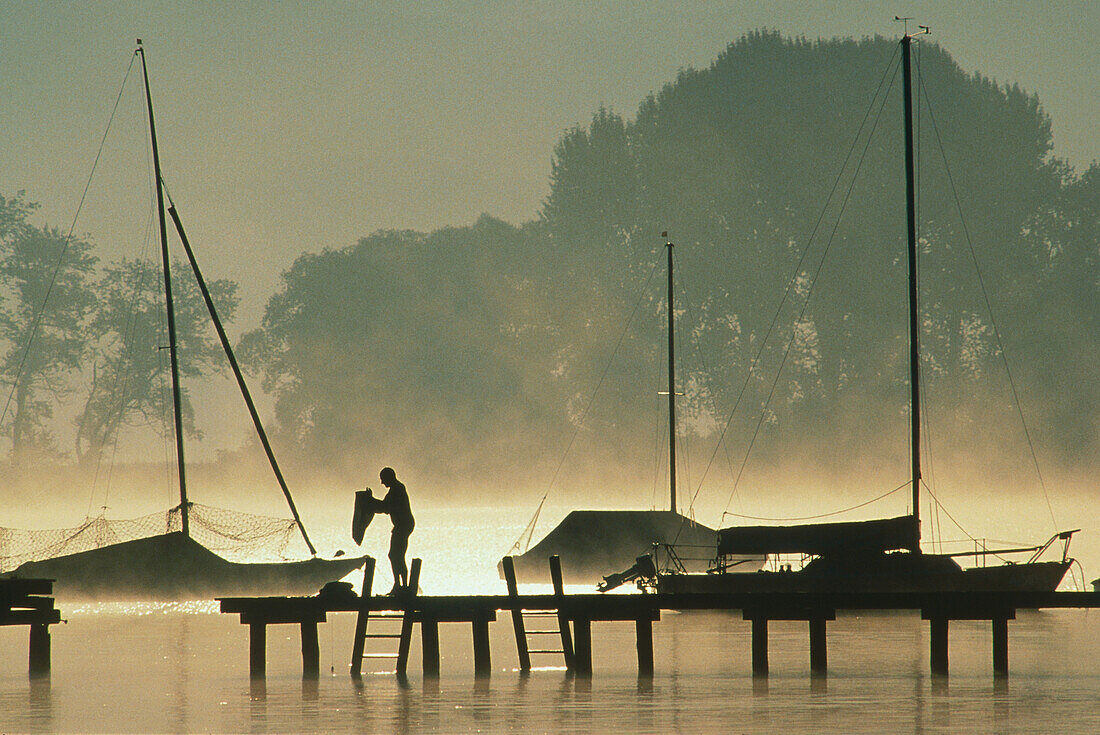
[(905, 20)]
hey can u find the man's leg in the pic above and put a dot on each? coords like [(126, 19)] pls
[(399, 543)]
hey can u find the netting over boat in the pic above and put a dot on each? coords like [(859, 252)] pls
[(233, 535)]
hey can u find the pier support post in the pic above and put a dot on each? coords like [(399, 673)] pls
[(429, 642), (819, 657), (482, 659), (563, 623), (405, 641), (937, 628), (39, 655), (760, 646), (257, 650), (522, 650), (311, 651), (582, 645), (645, 646), (1000, 646), (359, 642)]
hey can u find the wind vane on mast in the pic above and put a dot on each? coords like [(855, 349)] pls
[(905, 21)]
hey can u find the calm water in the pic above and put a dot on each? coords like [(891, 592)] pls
[(184, 668)]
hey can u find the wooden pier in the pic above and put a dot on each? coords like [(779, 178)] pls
[(575, 613), (29, 602)]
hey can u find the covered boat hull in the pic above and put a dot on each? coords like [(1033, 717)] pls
[(594, 543), (901, 572), (173, 567)]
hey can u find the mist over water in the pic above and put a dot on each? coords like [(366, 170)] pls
[(184, 668)]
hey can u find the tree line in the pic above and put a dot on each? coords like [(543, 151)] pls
[(88, 337), (477, 350), (483, 344)]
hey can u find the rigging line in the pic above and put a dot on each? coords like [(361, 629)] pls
[(659, 438), (809, 294), (895, 53), (989, 308), (64, 250), (123, 378), (706, 372), (599, 383), (822, 515), (710, 396), (947, 513), (927, 437), (131, 327)]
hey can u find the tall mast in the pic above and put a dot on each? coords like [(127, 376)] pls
[(914, 314), (671, 385), (176, 409)]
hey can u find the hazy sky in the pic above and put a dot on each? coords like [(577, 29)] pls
[(289, 127)]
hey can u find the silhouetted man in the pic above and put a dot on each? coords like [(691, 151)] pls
[(396, 505)]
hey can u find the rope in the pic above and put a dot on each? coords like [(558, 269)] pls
[(809, 292), (64, 250), (820, 515), (790, 284), (989, 308), (592, 398), (122, 380)]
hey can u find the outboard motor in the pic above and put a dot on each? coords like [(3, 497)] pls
[(643, 568)]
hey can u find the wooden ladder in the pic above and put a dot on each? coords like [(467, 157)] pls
[(403, 611), (523, 642)]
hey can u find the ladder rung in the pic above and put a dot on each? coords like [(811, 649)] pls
[(539, 613), (379, 655), (545, 650), (381, 635), (385, 616), (544, 632)]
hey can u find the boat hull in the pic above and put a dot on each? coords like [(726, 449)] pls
[(889, 573), (173, 567)]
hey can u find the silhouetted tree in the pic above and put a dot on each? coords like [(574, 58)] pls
[(41, 344), (130, 371), (479, 341)]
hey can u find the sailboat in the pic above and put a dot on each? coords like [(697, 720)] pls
[(880, 555), (591, 542), (172, 565)]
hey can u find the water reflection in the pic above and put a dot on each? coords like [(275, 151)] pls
[(181, 654), (257, 704), (41, 703)]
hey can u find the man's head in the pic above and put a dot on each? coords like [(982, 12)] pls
[(387, 476)]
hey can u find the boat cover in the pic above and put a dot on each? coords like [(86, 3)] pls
[(822, 539)]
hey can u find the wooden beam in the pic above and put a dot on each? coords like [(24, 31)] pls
[(563, 621), (937, 634), (429, 642), (819, 656), (39, 655), (257, 650), (582, 645), (760, 646), (482, 658), (1000, 646), (359, 641), (522, 650), (311, 651), (644, 628)]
